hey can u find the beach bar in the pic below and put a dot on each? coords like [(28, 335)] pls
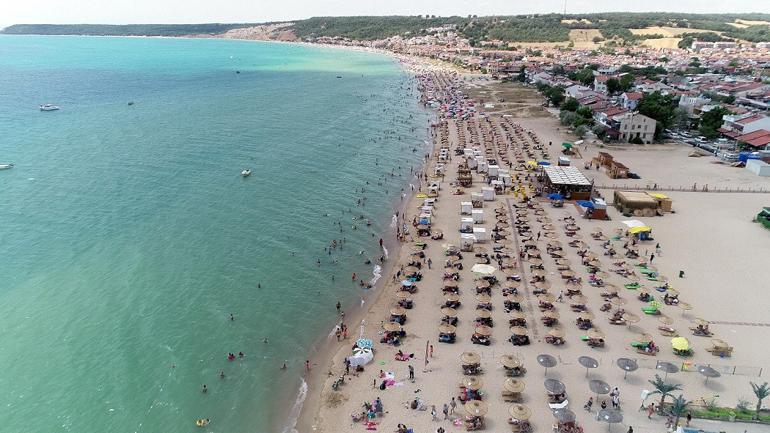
[(567, 181)]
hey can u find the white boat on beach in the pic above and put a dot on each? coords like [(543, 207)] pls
[(5, 166), (49, 107), (246, 173)]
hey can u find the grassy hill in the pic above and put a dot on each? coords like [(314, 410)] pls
[(754, 27)]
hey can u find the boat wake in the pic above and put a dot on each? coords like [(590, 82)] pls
[(296, 409)]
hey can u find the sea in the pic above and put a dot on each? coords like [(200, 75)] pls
[(128, 236)]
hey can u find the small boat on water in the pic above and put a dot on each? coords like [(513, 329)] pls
[(246, 172), (49, 107), (5, 166)]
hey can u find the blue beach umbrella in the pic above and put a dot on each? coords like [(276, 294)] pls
[(555, 196), (364, 343)]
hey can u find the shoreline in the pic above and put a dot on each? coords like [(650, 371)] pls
[(308, 408), (312, 405)]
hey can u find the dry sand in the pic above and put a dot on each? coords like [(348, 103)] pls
[(710, 236)]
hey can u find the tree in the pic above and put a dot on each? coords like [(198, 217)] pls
[(571, 104), (613, 85), (585, 76), (681, 118), (580, 131), (711, 120), (663, 388), (626, 82), (762, 392), (600, 130), (567, 117), (659, 107), (555, 95), (585, 113), (679, 407)]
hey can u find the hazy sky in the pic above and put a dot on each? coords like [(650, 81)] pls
[(199, 11)]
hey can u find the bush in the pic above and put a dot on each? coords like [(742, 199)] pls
[(636, 140)]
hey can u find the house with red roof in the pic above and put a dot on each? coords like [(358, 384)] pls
[(629, 100), (759, 139), (741, 124)]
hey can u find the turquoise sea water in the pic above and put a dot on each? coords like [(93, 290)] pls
[(128, 236)]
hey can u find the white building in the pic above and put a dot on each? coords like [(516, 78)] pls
[(635, 125)]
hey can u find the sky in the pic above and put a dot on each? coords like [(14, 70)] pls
[(229, 11)]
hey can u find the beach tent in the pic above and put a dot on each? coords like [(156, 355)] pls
[(555, 196), (361, 357), (543, 163), (634, 223), (586, 204), (567, 145), (635, 230)]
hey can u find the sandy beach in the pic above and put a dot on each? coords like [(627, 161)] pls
[(710, 237)]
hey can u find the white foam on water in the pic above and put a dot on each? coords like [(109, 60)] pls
[(385, 252), (377, 272), (394, 222), (291, 427)]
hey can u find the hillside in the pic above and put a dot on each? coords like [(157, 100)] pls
[(615, 28)]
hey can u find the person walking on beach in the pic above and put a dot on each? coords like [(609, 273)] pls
[(652, 257), (411, 373), (339, 306), (433, 412), (430, 351), (445, 410), (452, 406), (650, 410), (307, 365), (430, 262)]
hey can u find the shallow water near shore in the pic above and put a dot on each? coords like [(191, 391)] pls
[(129, 235)]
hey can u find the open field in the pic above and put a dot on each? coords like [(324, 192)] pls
[(583, 38), (669, 32)]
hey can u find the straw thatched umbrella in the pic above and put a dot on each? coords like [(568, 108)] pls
[(398, 311), (644, 338), (595, 334), (684, 306), (630, 318), (545, 298), (538, 273), (586, 315), (472, 383), (483, 298), (617, 301), (483, 314), (470, 358), (551, 314), (392, 326), (451, 297), (665, 320), (567, 273), (578, 299), (482, 284), (518, 315), (556, 333), (409, 270), (447, 329), (510, 361), (518, 330), (403, 295), (513, 385), (519, 412), (542, 285), (483, 330), (449, 312), (476, 408)]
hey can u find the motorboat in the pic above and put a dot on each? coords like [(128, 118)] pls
[(49, 107), (246, 173), (5, 166)]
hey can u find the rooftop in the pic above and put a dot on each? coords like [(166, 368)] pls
[(566, 175)]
